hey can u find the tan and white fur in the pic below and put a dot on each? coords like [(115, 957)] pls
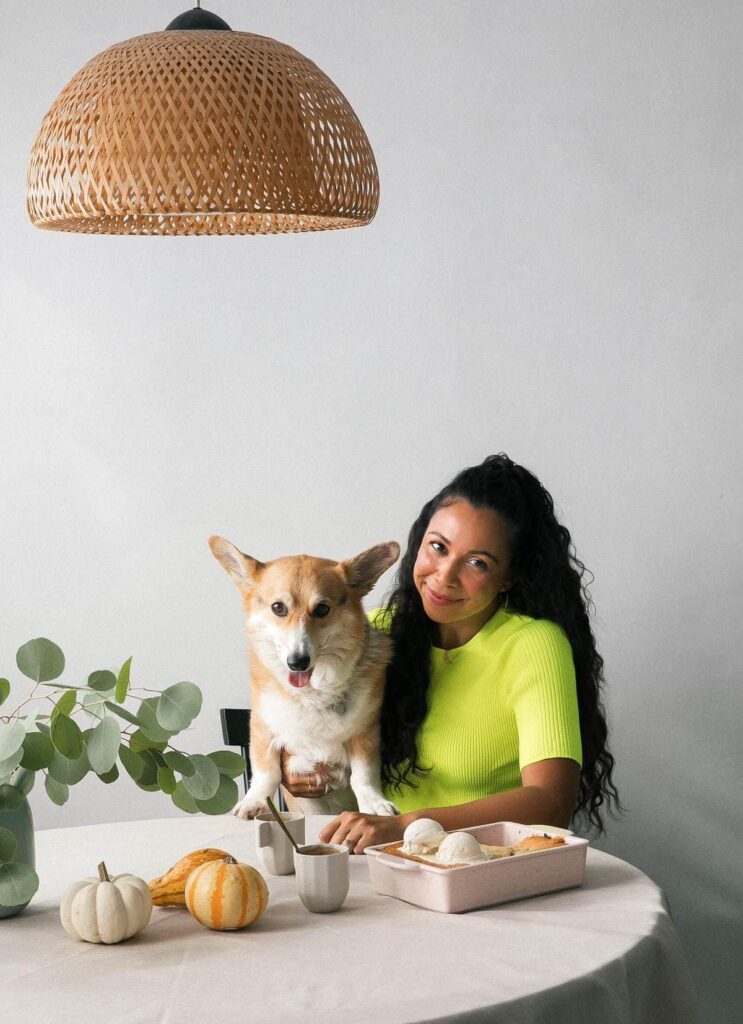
[(317, 673)]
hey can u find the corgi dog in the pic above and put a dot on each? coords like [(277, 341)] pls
[(317, 672)]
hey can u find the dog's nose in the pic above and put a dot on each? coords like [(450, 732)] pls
[(299, 663)]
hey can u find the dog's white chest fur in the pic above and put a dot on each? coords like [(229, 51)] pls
[(315, 727)]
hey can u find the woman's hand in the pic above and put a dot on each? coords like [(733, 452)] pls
[(306, 784), (357, 831)]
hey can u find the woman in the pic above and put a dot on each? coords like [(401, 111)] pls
[(492, 707)]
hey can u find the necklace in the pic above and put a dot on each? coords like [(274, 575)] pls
[(450, 656)]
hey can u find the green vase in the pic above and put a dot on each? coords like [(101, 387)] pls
[(15, 815)]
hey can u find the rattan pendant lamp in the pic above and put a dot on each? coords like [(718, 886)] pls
[(199, 130)]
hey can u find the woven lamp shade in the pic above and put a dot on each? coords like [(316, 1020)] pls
[(201, 132)]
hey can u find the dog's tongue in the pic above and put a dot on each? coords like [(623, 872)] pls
[(300, 678)]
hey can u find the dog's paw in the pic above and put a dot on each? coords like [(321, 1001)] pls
[(377, 805), (249, 807), (298, 764), (334, 776)]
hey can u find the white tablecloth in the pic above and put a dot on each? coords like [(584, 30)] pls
[(607, 952)]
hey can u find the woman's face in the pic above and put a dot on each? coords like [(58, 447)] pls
[(463, 564)]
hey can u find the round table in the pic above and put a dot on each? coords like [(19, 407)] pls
[(605, 952)]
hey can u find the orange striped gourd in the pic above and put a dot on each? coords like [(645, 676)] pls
[(225, 895)]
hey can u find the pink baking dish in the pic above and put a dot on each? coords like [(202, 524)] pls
[(452, 890)]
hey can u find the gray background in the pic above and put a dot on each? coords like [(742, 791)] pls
[(554, 272)]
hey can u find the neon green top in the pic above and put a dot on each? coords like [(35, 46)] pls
[(505, 699)]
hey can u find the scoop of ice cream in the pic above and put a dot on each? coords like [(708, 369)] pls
[(459, 847), (422, 836)]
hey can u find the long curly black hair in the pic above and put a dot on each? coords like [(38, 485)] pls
[(548, 584)]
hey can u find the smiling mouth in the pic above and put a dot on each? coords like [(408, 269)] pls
[(439, 598)]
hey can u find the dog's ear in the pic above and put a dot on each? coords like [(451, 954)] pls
[(242, 568), (363, 571)]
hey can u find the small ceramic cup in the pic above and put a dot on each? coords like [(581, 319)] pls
[(322, 876), (275, 852)]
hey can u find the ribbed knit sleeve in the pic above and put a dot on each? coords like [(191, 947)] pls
[(543, 693)]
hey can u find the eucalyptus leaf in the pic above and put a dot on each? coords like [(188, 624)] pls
[(66, 737), (18, 883), (149, 772), (23, 781), (29, 721), (183, 799), (149, 721), (103, 745), (166, 780), (12, 735), (65, 704), (8, 845), (58, 792), (178, 706), (223, 800), (122, 713), (38, 751), (149, 787), (9, 765), (228, 763), (179, 762), (109, 777), (69, 770), (93, 704), (122, 683), (139, 742), (102, 681), (132, 762), (40, 660), (4, 690), (204, 782)]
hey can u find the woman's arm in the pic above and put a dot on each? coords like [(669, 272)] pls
[(547, 797)]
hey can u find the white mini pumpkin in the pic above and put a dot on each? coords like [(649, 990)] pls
[(106, 909)]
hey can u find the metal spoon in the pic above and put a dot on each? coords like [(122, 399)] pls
[(280, 820)]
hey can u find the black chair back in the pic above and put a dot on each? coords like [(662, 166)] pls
[(236, 733)]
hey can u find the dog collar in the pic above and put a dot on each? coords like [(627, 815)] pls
[(341, 704)]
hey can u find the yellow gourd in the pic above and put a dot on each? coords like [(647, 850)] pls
[(226, 895), (168, 890)]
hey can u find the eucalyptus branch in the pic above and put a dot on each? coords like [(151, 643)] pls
[(64, 751), (15, 711)]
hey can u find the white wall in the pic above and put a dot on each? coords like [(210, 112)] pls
[(554, 272)]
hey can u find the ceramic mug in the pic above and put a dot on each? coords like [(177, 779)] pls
[(273, 848), (322, 876)]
